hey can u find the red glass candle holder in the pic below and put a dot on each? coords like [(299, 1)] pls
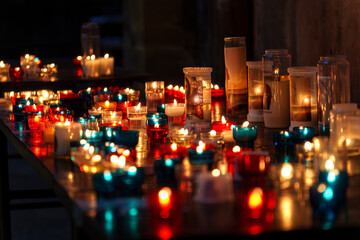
[(233, 155), (67, 96), (164, 203), (174, 149), (157, 132), (17, 74), (256, 206), (255, 163), (34, 108), (222, 125), (77, 61), (217, 91), (34, 121)]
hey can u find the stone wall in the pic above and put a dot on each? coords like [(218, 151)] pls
[(310, 29)]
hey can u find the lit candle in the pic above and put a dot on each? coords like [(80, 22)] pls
[(222, 125), (303, 134), (216, 91), (157, 132), (64, 134), (214, 188), (175, 109), (4, 71), (107, 65), (254, 163), (245, 134)]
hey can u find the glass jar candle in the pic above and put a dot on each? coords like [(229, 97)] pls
[(303, 97), (198, 95), (155, 95), (255, 91), (333, 87), (276, 109), (137, 116), (235, 75)]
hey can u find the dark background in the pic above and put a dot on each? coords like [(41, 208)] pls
[(161, 37)]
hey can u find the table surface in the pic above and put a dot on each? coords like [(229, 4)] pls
[(130, 217)]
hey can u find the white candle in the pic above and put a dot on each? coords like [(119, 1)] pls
[(64, 134), (107, 65), (174, 109), (214, 188), (227, 136)]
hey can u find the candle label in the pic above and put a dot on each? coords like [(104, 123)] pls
[(276, 102), (300, 100), (198, 106), (236, 80)]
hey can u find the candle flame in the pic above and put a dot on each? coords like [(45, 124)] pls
[(91, 149), (27, 56), (223, 120), (245, 124), (202, 144), (176, 88), (307, 146), (154, 85), (213, 133), (131, 91), (96, 158), (138, 107), (67, 123), (88, 89), (212, 86), (276, 71), (216, 86), (17, 69), (199, 150), (11, 93), (236, 149), (287, 171), (164, 196), (170, 87), (126, 152), (182, 89), (258, 90), (79, 58), (86, 146), (122, 161), (106, 55), (175, 102), (215, 172), (83, 142), (174, 146), (107, 103), (156, 125), (92, 57), (2, 65), (52, 65)]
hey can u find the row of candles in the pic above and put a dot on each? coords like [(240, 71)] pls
[(101, 129), (30, 68)]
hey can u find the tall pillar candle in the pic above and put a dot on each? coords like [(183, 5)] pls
[(65, 132)]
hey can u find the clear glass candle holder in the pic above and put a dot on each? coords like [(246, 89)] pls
[(155, 95), (137, 116), (303, 97), (255, 91)]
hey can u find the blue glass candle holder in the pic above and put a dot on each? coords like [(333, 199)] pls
[(156, 116), (105, 91), (119, 183), (121, 98), (325, 198), (204, 157), (152, 121), (128, 138), (165, 170), (245, 136), (161, 108), (109, 132), (18, 109), (336, 178), (303, 134), (92, 136), (24, 101), (284, 145)]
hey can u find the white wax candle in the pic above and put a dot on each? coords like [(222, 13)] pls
[(107, 65), (64, 134), (227, 136), (174, 110)]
